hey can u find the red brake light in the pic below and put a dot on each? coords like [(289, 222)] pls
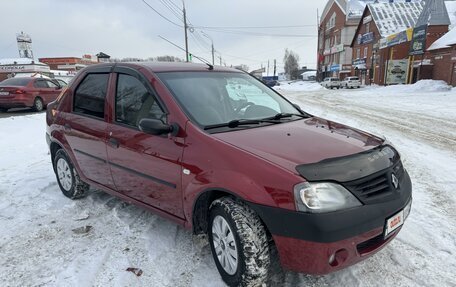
[(18, 91)]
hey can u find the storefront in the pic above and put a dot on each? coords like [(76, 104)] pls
[(11, 67)]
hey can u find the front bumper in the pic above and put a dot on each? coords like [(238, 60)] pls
[(305, 241)]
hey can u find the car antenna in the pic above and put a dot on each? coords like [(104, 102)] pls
[(211, 67)]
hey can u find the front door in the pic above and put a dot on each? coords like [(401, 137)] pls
[(144, 167), (85, 128)]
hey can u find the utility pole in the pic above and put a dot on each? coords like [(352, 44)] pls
[(212, 45), (275, 67), (185, 28), (220, 57), (267, 73)]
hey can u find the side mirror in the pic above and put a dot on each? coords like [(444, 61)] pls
[(157, 127), (154, 127)]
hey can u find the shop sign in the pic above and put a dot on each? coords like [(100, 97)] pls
[(359, 62), (396, 39), (396, 72), (367, 38), (418, 44), (337, 49), (367, 19), (335, 68)]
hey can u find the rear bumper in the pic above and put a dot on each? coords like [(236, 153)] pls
[(15, 102)]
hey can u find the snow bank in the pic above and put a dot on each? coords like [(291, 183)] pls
[(299, 86), (423, 86)]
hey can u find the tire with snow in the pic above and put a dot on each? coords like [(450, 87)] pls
[(239, 243), (38, 105), (67, 177)]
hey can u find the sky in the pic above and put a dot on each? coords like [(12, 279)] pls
[(129, 28)]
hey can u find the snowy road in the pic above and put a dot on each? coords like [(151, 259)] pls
[(41, 245)]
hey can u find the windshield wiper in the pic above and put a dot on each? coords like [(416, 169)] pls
[(286, 115), (235, 123)]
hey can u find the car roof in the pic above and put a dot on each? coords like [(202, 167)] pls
[(164, 67)]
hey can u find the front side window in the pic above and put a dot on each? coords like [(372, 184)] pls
[(135, 102), (213, 98), (90, 95)]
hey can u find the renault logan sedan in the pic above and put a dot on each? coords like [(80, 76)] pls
[(220, 153)]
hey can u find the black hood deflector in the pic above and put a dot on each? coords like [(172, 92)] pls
[(351, 167)]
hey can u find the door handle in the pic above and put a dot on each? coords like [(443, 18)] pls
[(113, 142)]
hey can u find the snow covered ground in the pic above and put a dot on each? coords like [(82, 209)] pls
[(45, 239)]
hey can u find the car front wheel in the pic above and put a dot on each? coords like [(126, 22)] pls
[(67, 177), (239, 243)]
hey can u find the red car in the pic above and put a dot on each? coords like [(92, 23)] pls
[(219, 152), (25, 92)]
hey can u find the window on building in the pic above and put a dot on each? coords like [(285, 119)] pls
[(357, 53), (134, 102), (365, 52), (90, 95), (367, 27)]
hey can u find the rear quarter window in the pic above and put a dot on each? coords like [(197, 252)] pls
[(90, 95)]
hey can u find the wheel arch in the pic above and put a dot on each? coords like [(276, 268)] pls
[(200, 211), (54, 147)]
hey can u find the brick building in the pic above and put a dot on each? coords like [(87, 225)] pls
[(335, 32), (69, 63), (380, 46), (443, 55)]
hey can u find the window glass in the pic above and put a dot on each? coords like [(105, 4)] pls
[(40, 84), (17, 82), (216, 97), (90, 95), (51, 84), (134, 102)]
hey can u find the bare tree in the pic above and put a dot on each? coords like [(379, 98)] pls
[(291, 65)]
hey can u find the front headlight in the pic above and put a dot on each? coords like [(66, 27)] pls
[(323, 197)]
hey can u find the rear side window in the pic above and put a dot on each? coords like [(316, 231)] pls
[(135, 102), (40, 84), (90, 95)]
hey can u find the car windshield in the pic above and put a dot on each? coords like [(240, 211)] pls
[(16, 82), (212, 99)]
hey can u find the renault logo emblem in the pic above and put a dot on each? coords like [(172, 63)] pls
[(395, 181)]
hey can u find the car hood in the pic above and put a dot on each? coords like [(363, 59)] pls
[(301, 142)]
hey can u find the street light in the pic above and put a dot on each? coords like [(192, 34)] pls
[(212, 45)]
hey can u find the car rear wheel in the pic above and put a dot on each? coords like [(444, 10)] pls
[(239, 243), (67, 177), (38, 105)]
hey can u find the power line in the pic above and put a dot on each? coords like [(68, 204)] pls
[(255, 27), (173, 10), (161, 15), (199, 58), (262, 34)]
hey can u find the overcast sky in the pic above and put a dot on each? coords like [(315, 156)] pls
[(129, 28)]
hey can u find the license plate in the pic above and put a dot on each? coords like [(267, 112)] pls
[(394, 222), (4, 93)]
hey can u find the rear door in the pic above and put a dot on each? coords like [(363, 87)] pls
[(85, 126), (144, 167)]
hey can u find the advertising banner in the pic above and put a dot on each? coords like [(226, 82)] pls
[(418, 44), (396, 39), (396, 72)]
